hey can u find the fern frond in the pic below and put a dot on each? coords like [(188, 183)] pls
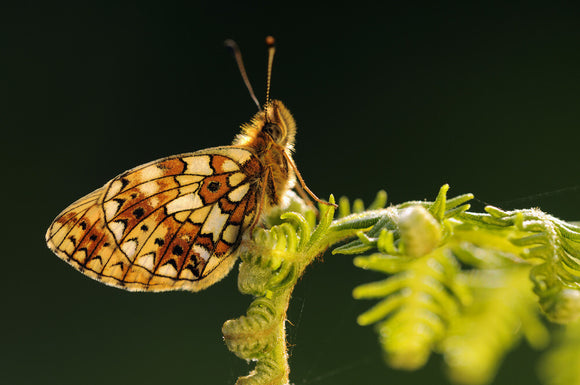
[(554, 247), (419, 302), (560, 366), (422, 295), (503, 311)]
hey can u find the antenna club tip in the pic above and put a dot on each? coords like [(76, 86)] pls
[(270, 41)]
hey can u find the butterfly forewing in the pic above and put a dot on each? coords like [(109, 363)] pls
[(170, 224)]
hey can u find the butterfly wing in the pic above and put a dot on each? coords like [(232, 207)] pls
[(172, 224)]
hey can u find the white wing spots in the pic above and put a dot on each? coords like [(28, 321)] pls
[(150, 172), (129, 248), (147, 261), (117, 228), (237, 194), (198, 165), (229, 165), (239, 155), (184, 180), (214, 223), (114, 189), (111, 208), (149, 188), (201, 252), (168, 270), (236, 179), (185, 202), (231, 233)]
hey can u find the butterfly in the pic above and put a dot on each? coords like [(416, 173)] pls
[(177, 223)]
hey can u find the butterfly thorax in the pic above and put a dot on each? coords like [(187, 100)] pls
[(270, 135)]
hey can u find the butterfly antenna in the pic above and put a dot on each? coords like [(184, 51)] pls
[(238, 56), (271, 51), (270, 41)]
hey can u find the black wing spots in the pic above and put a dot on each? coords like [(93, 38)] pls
[(124, 222), (172, 263), (73, 240), (85, 235), (133, 196), (133, 204), (83, 225), (144, 228), (89, 256), (98, 257), (111, 256), (93, 237), (192, 242), (164, 251), (75, 217), (193, 270), (120, 202), (124, 182), (106, 244), (158, 241), (138, 212), (183, 164), (177, 250), (214, 186)]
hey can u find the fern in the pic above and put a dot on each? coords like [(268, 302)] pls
[(457, 281), (560, 365)]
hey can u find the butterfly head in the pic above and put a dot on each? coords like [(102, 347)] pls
[(273, 125)]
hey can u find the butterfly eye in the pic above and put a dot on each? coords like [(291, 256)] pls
[(274, 130)]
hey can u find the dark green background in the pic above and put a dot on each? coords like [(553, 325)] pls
[(405, 98)]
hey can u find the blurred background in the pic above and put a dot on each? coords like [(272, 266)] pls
[(403, 98)]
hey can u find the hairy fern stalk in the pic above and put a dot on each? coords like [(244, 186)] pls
[(465, 285)]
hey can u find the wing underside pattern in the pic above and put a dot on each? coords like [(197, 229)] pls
[(171, 224)]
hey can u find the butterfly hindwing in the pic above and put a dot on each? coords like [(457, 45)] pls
[(170, 224)]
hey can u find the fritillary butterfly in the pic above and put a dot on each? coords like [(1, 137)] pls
[(176, 223)]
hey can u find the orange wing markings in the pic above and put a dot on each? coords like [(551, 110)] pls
[(134, 205), (175, 245), (164, 225), (85, 234), (241, 219), (170, 263), (145, 173)]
